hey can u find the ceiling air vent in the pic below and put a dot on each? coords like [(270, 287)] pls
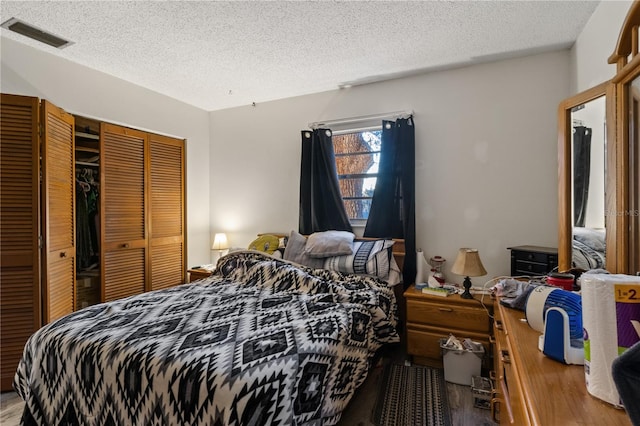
[(30, 31)]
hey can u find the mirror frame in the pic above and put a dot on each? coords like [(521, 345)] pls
[(627, 61), (565, 167)]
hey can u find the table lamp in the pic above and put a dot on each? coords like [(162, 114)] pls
[(220, 243), (468, 264)]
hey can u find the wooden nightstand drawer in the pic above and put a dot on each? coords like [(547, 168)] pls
[(431, 318), (472, 319), (424, 343)]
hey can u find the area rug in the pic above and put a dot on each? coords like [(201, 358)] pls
[(412, 396)]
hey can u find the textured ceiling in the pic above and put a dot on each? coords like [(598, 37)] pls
[(216, 55)]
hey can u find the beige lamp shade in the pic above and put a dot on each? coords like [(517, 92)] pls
[(468, 263), (220, 242)]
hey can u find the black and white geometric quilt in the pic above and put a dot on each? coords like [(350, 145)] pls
[(263, 342)]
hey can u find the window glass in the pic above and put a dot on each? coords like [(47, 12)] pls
[(357, 160)]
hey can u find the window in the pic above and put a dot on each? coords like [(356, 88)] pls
[(357, 159)]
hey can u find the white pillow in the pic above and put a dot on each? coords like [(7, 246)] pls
[(329, 243)]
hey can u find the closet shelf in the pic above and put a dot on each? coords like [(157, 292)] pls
[(86, 149), (84, 163), (87, 135)]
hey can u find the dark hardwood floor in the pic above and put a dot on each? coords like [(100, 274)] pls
[(360, 409)]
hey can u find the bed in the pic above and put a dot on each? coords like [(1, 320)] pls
[(262, 341), (588, 248)]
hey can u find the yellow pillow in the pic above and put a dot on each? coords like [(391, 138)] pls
[(265, 243)]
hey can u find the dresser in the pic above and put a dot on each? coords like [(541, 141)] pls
[(532, 389), (533, 260), (431, 318)]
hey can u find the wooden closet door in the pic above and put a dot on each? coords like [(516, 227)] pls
[(123, 211), (167, 189), (19, 230), (58, 212)]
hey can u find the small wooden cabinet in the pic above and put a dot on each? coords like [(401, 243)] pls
[(198, 274), (431, 318), (533, 260)]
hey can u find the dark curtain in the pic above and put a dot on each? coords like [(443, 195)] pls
[(581, 172), (321, 206), (392, 213)]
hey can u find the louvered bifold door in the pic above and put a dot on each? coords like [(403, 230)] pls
[(167, 227), (58, 213), (19, 229), (123, 211)]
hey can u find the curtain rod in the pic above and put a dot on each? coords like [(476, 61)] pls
[(388, 115)]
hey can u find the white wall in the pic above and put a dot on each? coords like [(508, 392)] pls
[(486, 142), (589, 66), (83, 91), (486, 156)]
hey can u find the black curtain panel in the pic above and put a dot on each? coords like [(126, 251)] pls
[(392, 213), (321, 206), (581, 172)]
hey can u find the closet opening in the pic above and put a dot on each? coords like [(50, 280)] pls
[(87, 193)]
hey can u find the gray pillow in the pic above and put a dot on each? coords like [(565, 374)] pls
[(329, 244), (294, 252)]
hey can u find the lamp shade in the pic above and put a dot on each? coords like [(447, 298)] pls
[(220, 242), (468, 263)]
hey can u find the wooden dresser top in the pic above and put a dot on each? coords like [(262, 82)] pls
[(555, 393)]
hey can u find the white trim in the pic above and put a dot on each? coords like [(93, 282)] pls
[(361, 119), (358, 130)]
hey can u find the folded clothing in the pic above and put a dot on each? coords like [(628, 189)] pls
[(514, 293)]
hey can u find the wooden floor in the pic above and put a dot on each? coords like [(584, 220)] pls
[(358, 413), (10, 408), (360, 409)]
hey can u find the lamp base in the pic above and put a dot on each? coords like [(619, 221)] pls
[(467, 285)]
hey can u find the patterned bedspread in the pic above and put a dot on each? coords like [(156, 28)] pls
[(262, 342)]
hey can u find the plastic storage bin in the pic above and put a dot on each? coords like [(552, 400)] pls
[(461, 365)]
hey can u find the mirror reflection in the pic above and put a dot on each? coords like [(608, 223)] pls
[(588, 158)]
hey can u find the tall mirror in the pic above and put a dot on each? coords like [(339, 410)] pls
[(626, 211), (625, 206), (582, 159)]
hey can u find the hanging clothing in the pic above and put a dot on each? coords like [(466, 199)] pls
[(581, 173), (83, 238), (392, 213), (321, 206), (87, 225)]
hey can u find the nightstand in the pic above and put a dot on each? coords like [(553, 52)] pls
[(431, 318), (533, 260), (198, 274)]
